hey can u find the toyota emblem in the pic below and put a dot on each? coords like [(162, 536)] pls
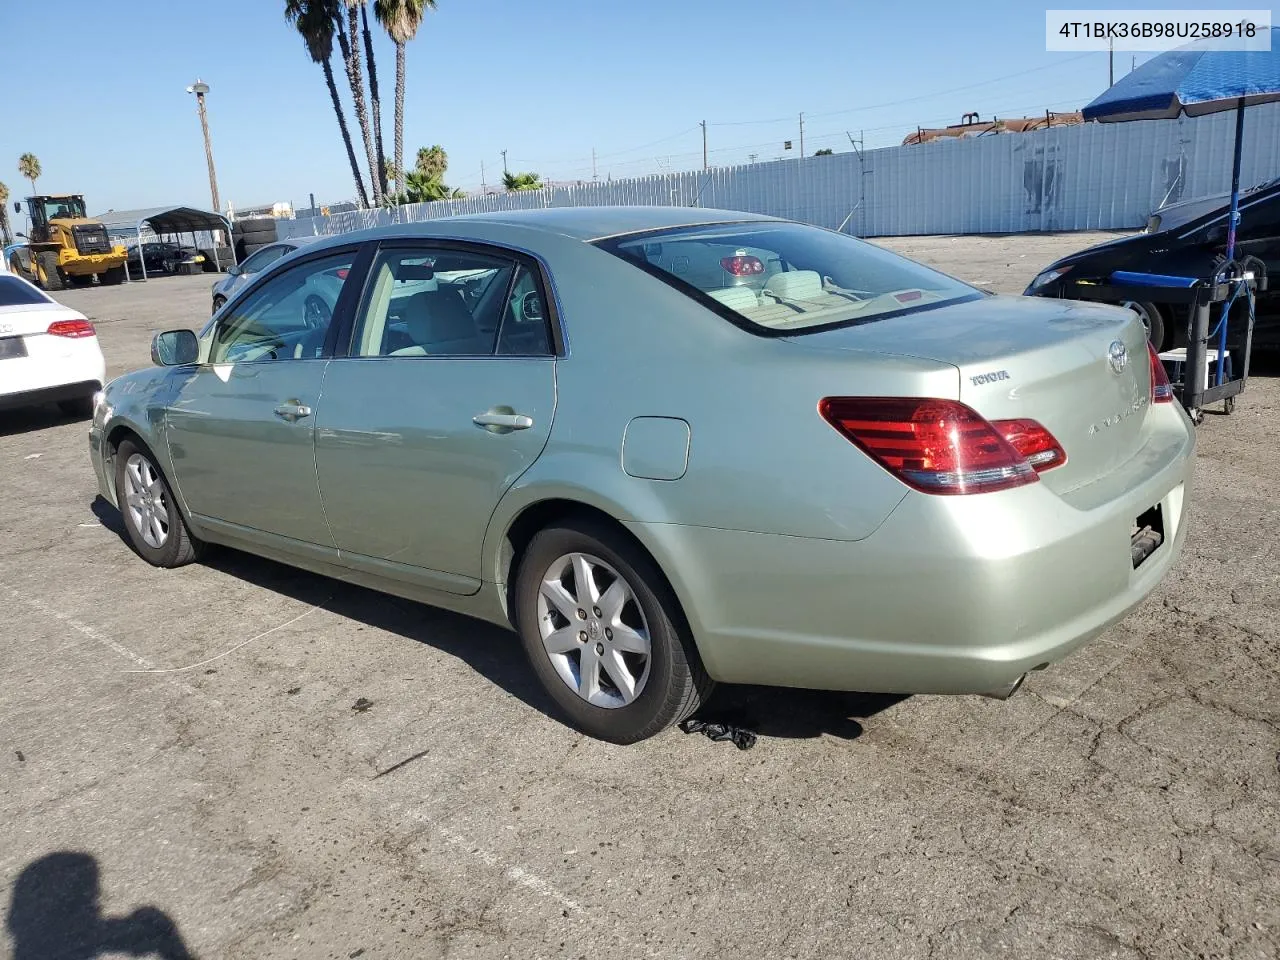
[(1117, 356)]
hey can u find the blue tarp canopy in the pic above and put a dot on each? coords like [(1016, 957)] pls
[(1194, 82)]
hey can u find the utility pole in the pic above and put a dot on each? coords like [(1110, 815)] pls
[(593, 164), (504, 163), (1111, 63), (200, 88), (483, 188), (802, 136), (704, 144)]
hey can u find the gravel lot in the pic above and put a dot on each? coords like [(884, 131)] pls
[(256, 762)]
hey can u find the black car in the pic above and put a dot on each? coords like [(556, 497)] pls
[(160, 257), (1186, 239)]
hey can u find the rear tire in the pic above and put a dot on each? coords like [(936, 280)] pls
[(47, 271), (112, 277), (152, 521), (638, 694)]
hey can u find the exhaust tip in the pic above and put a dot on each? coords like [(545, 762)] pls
[(1006, 691)]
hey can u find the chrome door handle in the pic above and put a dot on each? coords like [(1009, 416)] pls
[(509, 421), (293, 412)]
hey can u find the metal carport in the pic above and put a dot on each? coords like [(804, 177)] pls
[(164, 220)]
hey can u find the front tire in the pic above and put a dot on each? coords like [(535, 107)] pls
[(50, 276), (154, 524), (604, 634), (1152, 320)]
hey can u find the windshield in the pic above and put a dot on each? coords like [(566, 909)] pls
[(780, 278), (65, 208), (15, 293)]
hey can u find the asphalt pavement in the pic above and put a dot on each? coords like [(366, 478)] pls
[(241, 760)]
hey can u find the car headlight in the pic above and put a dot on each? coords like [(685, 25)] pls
[(1047, 277)]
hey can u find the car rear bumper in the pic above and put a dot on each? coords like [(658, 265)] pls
[(72, 369), (63, 391), (951, 595)]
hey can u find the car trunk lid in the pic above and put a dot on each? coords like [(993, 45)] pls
[(30, 319), (1081, 370)]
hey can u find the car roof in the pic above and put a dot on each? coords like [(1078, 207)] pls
[(579, 223)]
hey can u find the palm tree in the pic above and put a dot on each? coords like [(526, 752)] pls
[(522, 181), (432, 161), (401, 19), (314, 20), (349, 41), (29, 167), (6, 237), (375, 101)]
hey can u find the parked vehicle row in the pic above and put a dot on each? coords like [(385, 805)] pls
[(669, 447)]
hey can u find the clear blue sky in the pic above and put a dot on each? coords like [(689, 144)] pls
[(548, 82)]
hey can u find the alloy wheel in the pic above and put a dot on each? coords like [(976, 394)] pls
[(147, 501), (594, 631)]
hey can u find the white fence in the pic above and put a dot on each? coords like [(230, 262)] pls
[(1090, 176)]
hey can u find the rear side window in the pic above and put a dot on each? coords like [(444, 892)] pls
[(786, 278), (15, 293)]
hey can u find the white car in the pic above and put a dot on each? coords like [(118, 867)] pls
[(49, 353)]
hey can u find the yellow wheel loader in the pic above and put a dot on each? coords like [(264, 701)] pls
[(66, 248)]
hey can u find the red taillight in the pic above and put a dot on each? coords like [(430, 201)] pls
[(743, 266), (1161, 389), (938, 446), (1034, 442), (342, 273), (70, 328)]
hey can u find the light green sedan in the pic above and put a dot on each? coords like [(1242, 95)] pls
[(670, 447)]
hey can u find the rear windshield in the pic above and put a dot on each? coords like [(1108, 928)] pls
[(15, 293), (784, 278)]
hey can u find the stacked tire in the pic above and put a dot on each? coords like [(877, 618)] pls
[(252, 234)]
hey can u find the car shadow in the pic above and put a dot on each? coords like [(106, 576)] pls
[(795, 714), (496, 654), (31, 419), (55, 911)]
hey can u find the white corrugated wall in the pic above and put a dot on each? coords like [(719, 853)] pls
[(1087, 177)]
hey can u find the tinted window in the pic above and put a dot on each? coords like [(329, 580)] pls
[(426, 301), (263, 259), (524, 326), (287, 317), (786, 277), (15, 293)]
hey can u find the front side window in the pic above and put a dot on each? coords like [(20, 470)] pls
[(287, 317), (425, 301), (785, 278)]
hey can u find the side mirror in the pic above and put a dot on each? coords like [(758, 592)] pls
[(17, 206), (531, 307), (22, 235), (233, 270), (175, 348)]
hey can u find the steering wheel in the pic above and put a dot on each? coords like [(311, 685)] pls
[(316, 313)]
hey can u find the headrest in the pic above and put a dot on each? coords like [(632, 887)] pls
[(795, 285), (736, 298)]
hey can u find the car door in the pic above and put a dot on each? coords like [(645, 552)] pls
[(445, 399), (241, 430)]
